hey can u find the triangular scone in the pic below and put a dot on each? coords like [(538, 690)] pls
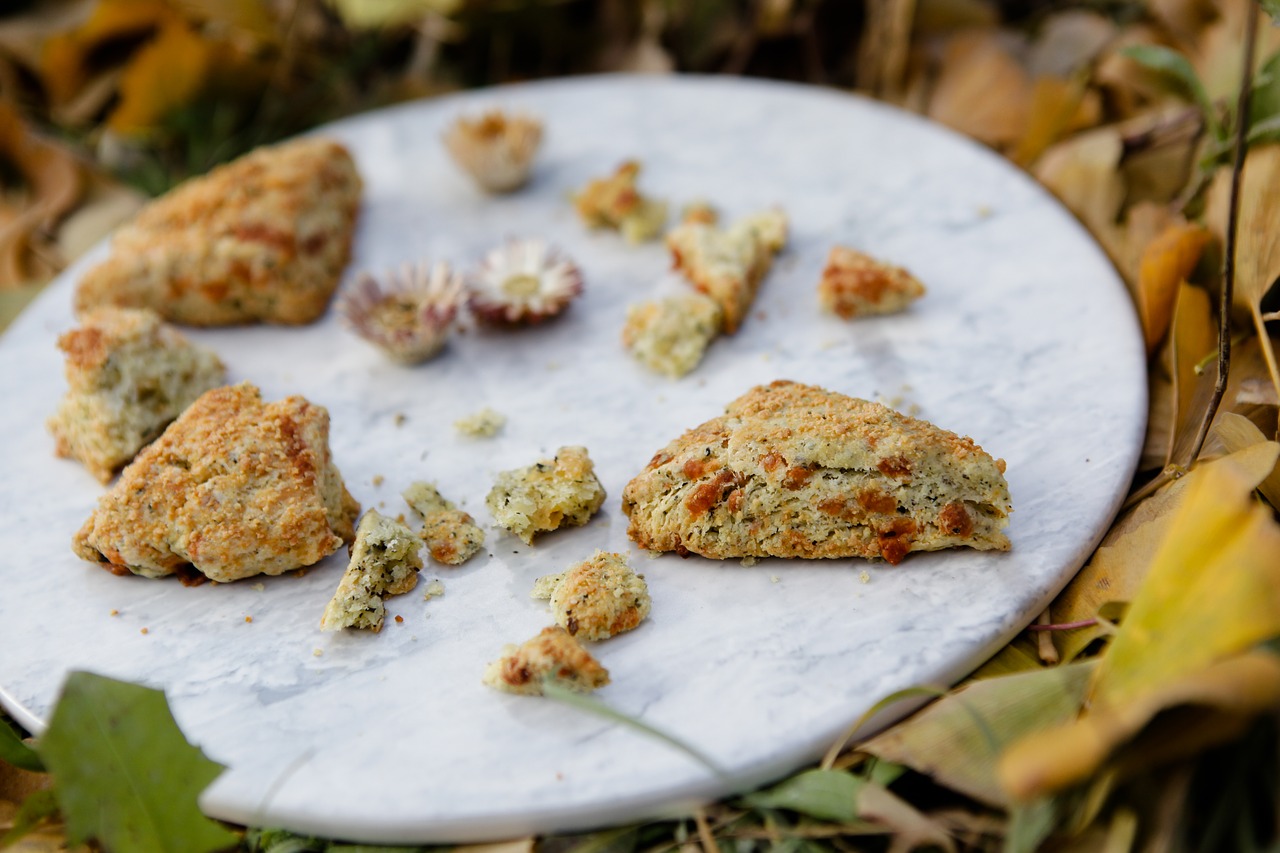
[(729, 264), (262, 239), (128, 374), (384, 561), (234, 487), (793, 470)]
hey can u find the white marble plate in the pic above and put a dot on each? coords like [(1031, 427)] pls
[(1026, 341)]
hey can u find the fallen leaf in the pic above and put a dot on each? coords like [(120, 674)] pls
[(1056, 108), (1258, 241), (1068, 42), (1082, 173), (982, 90), (958, 739), (1238, 433), (1122, 562), (70, 59), (14, 751), (169, 72), (1195, 338), (126, 775), (1166, 262)]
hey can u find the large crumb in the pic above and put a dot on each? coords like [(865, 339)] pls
[(547, 495), (552, 656), (615, 202), (452, 535), (384, 561), (596, 598), (671, 336), (855, 284), (485, 423)]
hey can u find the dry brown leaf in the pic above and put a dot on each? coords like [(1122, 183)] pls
[(982, 90), (1195, 336), (1258, 241), (23, 34), (1082, 173), (885, 44), (1218, 49), (1117, 569), (1129, 86), (70, 58), (1237, 433), (934, 16), (169, 72), (1166, 262), (1057, 107), (1069, 41), (1143, 222)]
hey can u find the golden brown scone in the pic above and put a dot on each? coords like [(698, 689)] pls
[(233, 488), (792, 470), (452, 535), (854, 284), (547, 495), (728, 265), (553, 656), (262, 239), (128, 375), (384, 561), (597, 598)]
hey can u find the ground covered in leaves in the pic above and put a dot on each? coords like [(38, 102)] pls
[(1140, 712)]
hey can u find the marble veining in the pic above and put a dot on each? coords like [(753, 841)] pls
[(1026, 341)]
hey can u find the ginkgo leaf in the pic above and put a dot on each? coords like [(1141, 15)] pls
[(1166, 262), (168, 73), (958, 739), (982, 91), (1237, 433), (1082, 173), (1195, 336), (1258, 242), (1182, 77), (1056, 107), (126, 775), (69, 57)]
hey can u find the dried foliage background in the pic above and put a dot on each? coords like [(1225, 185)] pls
[(1141, 711)]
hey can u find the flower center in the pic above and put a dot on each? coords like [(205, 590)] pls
[(521, 285)]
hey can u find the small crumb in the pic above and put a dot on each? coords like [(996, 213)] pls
[(762, 315), (774, 579), (984, 210), (485, 423), (317, 652), (258, 587), (146, 630), (378, 480), (864, 576), (748, 562), (213, 583), (828, 344), (300, 573), (434, 589), (399, 618), (400, 518), (115, 612), (653, 555), (553, 365), (400, 419), (248, 618), (768, 356), (913, 410)]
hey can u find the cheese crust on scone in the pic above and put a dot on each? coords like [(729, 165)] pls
[(553, 655), (264, 238), (233, 488), (793, 470), (128, 375), (728, 265), (854, 284)]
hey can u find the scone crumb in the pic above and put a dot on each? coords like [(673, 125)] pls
[(855, 284), (552, 656), (864, 576), (452, 535), (258, 587), (748, 562), (434, 589), (317, 652), (248, 618), (598, 597), (114, 612), (615, 202), (548, 495), (400, 419), (399, 619), (672, 335), (145, 631), (378, 480), (774, 579), (485, 423), (384, 562)]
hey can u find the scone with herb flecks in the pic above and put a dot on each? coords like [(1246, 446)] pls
[(234, 487), (793, 470), (552, 656), (261, 239), (129, 375), (596, 598), (729, 264), (671, 336), (451, 535), (384, 561), (547, 495), (854, 284)]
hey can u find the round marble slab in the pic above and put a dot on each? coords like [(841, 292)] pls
[(1026, 341)]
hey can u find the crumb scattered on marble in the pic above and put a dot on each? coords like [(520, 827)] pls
[(248, 618), (864, 576), (146, 631), (774, 579), (399, 618), (317, 652), (434, 589), (485, 423), (400, 418), (258, 587), (115, 612), (378, 480), (913, 410), (748, 561), (984, 210), (553, 365), (300, 573)]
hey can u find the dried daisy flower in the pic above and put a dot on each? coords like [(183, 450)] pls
[(409, 319), (524, 281), (495, 149)]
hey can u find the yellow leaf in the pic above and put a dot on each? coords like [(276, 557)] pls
[(982, 91), (1236, 432), (1118, 568), (1083, 173), (169, 72), (1195, 336), (1166, 263), (69, 58), (1056, 107), (1258, 240)]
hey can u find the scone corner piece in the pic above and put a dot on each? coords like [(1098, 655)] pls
[(235, 487), (548, 495), (552, 656), (794, 470), (855, 284), (597, 597), (670, 336), (129, 375), (384, 561)]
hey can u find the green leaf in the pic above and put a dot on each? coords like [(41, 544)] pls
[(1178, 70), (1272, 8), (127, 778), (17, 753), (35, 810), (1030, 825), (1264, 100), (825, 794)]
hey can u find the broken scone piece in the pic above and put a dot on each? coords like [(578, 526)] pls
[(597, 598), (552, 656), (614, 202), (547, 495), (384, 561), (793, 470), (129, 375), (671, 336), (728, 265), (233, 488), (451, 535), (262, 239), (854, 284)]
